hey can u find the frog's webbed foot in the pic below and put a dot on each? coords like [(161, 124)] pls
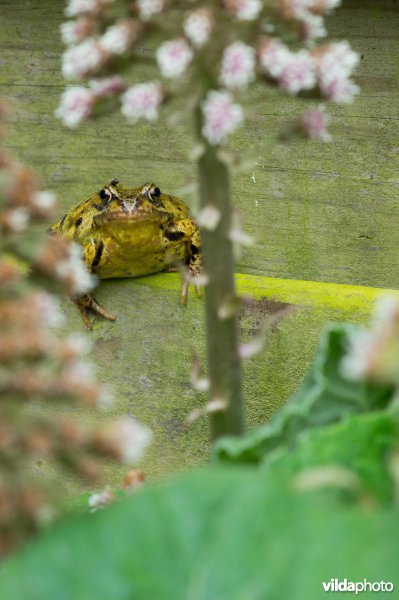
[(86, 304)]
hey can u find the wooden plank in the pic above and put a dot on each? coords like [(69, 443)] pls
[(321, 212)]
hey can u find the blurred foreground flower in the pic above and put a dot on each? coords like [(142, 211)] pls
[(198, 26), (221, 117), (238, 65), (142, 101), (374, 353), (38, 366), (76, 106), (314, 125), (173, 57), (82, 60)]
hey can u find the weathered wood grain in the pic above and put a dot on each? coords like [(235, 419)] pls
[(319, 211)]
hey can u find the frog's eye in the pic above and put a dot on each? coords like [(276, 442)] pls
[(105, 194), (155, 193)]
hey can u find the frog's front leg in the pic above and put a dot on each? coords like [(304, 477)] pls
[(94, 254), (192, 238)]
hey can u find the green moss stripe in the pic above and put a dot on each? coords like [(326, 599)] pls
[(306, 293)]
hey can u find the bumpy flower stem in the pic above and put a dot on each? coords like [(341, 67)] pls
[(222, 334)]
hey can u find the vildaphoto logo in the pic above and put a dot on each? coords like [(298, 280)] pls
[(335, 585)]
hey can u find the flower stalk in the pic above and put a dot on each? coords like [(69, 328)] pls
[(224, 369)]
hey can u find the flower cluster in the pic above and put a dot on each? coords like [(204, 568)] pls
[(94, 39), (328, 67), (38, 365)]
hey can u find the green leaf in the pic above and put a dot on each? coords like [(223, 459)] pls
[(325, 397), (361, 444), (232, 533)]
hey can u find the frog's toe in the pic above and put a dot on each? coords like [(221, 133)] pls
[(87, 303), (198, 289), (184, 292), (190, 278)]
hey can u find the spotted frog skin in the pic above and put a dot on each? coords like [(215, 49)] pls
[(130, 232)]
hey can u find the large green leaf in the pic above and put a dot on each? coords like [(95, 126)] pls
[(360, 444), (233, 533), (325, 397)]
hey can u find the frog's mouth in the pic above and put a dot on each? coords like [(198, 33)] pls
[(134, 212)]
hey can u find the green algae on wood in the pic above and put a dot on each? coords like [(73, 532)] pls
[(348, 298)]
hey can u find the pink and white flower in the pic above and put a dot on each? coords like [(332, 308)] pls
[(142, 101), (238, 65), (74, 32), (373, 353), (148, 8), (299, 73), (335, 63), (221, 116), (109, 86), (274, 56), (312, 27), (119, 38), (246, 10), (80, 7), (338, 57), (198, 27), (76, 106), (173, 57), (313, 124), (82, 60), (339, 90)]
